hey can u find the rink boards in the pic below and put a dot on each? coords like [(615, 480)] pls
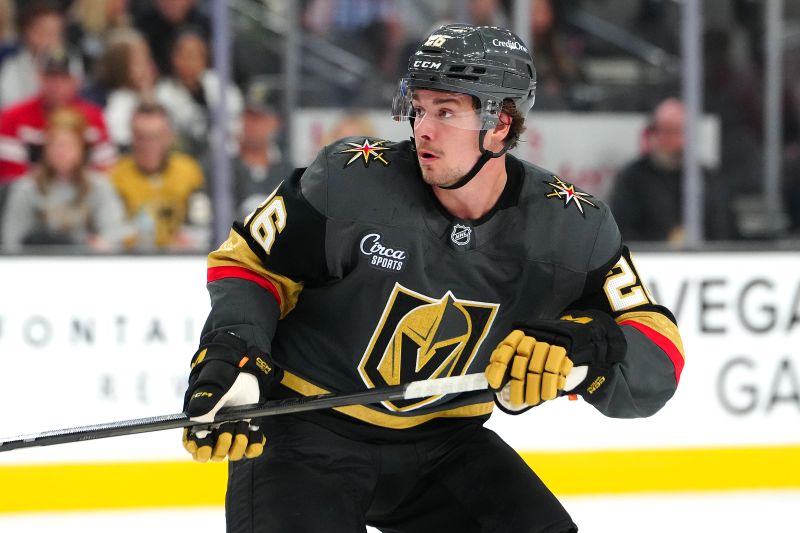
[(87, 340)]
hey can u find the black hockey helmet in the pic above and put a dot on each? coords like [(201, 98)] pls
[(489, 63), (492, 64)]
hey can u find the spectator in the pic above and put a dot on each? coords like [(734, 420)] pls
[(62, 202), (161, 24), (648, 193), (738, 101), (42, 28), (21, 125), (260, 166), (351, 124), (8, 31), (370, 29), (126, 76), (487, 13), (557, 71), (90, 25), (158, 185), (735, 102), (192, 92), (8, 46)]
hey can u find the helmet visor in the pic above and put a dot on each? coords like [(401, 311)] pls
[(406, 107)]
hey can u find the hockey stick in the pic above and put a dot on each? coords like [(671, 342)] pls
[(407, 391)]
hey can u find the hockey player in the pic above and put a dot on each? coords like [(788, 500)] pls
[(383, 263)]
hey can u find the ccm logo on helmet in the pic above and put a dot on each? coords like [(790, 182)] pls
[(433, 65), (513, 45)]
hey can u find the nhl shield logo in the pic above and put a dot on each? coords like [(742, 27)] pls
[(461, 234)]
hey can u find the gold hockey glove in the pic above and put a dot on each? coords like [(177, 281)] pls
[(529, 371), (226, 372), (232, 439), (544, 359)]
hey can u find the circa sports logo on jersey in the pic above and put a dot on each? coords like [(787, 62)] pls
[(562, 189), (381, 256), (367, 151), (461, 234), (420, 337)]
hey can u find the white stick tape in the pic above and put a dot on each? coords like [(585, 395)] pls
[(436, 387)]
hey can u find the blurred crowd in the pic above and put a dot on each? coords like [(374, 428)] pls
[(106, 106), (105, 125)]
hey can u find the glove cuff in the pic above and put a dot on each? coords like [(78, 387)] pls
[(606, 336), (591, 338), (228, 348), (609, 347)]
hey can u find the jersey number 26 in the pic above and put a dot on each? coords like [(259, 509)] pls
[(268, 221)]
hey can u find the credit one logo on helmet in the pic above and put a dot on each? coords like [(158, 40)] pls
[(432, 65), (511, 45)]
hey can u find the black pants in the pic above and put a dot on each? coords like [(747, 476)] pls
[(311, 480)]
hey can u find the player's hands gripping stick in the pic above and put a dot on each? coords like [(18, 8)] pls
[(532, 371), (544, 359), (226, 372)]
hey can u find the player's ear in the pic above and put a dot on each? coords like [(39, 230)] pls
[(501, 130), (503, 125)]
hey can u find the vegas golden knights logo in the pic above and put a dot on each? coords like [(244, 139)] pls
[(419, 337)]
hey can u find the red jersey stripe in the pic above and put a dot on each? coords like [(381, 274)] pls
[(662, 342), (221, 272)]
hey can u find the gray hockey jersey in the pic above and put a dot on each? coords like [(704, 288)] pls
[(352, 276)]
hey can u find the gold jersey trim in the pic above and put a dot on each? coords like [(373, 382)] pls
[(377, 418), (236, 252), (657, 322)]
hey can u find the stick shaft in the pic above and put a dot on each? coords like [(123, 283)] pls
[(415, 389)]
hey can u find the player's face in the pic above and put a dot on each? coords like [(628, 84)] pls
[(447, 148)]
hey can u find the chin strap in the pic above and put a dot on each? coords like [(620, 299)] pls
[(486, 155)]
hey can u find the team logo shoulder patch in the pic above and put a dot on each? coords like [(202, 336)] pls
[(369, 150), (567, 192)]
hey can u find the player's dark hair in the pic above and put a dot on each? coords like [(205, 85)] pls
[(517, 120)]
